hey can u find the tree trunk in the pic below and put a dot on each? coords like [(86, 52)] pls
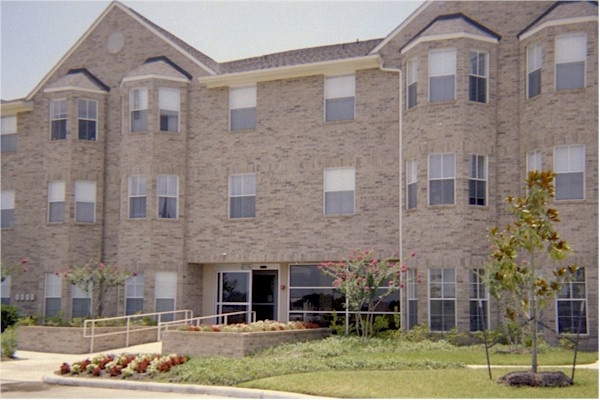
[(534, 319)]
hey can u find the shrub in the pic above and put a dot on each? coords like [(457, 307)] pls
[(29, 320), (418, 333), (9, 341), (10, 316)]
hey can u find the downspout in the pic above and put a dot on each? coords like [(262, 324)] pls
[(404, 320)]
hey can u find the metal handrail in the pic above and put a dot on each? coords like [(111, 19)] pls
[(197, 320), (188, 314)]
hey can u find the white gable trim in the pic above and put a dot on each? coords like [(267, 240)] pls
[(71, 88), (558, 22), (155, 76), (448, 36)]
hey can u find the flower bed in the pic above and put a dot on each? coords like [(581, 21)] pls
[(237, 340), (124, 365)]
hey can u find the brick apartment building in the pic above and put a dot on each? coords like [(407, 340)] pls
[(223, 185)]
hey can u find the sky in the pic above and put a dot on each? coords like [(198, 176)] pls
[(35, 35)]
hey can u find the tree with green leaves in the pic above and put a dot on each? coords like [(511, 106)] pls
[(513, 276)]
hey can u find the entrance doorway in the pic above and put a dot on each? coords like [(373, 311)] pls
[(264, 294)]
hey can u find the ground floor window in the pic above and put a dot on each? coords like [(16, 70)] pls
[(164, 290), (5, 290), (478, 303), (134, 294), (442, 299), (233, 295), (52, 294), (412, 310), (571, 305), (81, 302)]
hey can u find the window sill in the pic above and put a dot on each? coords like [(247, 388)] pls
[(341, 121), (442, 103), (567, 201), (339, 215), (241, 219)]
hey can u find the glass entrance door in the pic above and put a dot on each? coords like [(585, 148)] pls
[(264, 294)]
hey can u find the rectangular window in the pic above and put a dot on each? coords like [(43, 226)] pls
[(134, 294), (442, 299), (477, 180), (58, 119), (137, 196), (534, 70), (534, 161), (7, 207), (442, 74), (478, 73), (478, 303), (571, 305), (169, 104), (569, 165), (85, 201), (88, 119), (81, 302), (411, 184), (56, 201), (339, 97), (571, 53), (242, 108), (164, 290), (5, 291), (242, 196), (8, 134), (168, 193), (138, 108), (413, 284), (441, 179), (411, 83), (52, 294), (339, 187)]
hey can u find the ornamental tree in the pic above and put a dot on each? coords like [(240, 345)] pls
[(97, 279), (365, 280), (12, 269), (513, 274)]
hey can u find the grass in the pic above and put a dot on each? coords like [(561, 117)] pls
[(347, 367)]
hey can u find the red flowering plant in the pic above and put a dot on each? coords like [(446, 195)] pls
[(12, 269), (366, 280)]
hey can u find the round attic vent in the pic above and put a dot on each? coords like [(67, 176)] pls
[(115, 42)]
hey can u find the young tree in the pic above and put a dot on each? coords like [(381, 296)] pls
[(513, 275), (8, 270)]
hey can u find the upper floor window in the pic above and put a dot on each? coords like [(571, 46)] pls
[(138, 108), (534, 161), (56, 201), (242, 196), (242, 108), (411, 184), (7, 207), (58, 119), (411, 83), (569, 165), (534, 70), (168, 192), (477, 180), (339, 187), (442, 75), (8, 135), (169, 104), (88, 119), (441, 179), (85, 201), (339, 97), (571, 52), (137, 196), (478, 76)]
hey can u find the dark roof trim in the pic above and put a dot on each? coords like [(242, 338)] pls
[(548, 11), (171, 63), (90, 76), (449, 17)]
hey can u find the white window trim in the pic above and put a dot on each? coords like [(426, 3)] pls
[(88, 119), (584, 59), (429, 298), (326, 191), (429, 76), (486, 76), (328, 97), (158, 196), (429, 179), (230, 196), (583, 171)]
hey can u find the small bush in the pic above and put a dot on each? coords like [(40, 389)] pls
[(10, 316), (418, 333), (29, 320), (9, 341)]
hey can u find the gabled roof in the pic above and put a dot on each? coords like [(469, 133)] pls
[(78, 79), (158, 67), (563, 12)]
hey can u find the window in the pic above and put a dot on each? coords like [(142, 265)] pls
[(477, 180), (339, 97), (571, 53), (88, 119), (5, 291), (412, 314), (52, 291), (137, 196), (81, 302), (8, 135), (411, 184), (7, 207), (571, 305), (339, 185), (138, 107), (56, 201), (242, 108), (569, 165), (169, 103), (534, 70), (58, 119), (411, 83), (478, 71), (441, 179), (442, 72), (85, 201), (242, 196), (164, 290), (442, 299), (134, 294), (167, 188), (534, 161), (478, 303)]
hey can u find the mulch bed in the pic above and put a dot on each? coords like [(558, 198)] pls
[(540, 379)]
